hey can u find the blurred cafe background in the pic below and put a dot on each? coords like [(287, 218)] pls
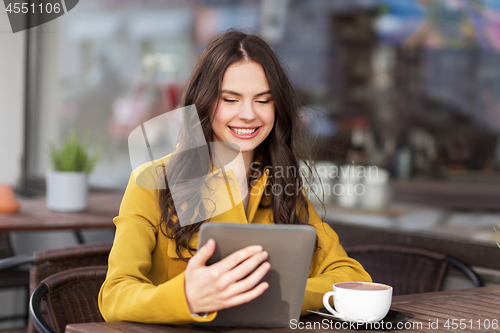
[(385, 81), (409, 86)]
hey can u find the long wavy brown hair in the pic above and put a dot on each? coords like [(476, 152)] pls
[(276, 152)]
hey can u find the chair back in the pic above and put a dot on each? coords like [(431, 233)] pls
[(408, 270), (50, 262), (5, 246), (69, 297)]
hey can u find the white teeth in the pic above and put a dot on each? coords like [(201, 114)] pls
[(243, 130)]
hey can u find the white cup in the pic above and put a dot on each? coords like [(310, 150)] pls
[(377, 190), (349, 181), (359, 301)]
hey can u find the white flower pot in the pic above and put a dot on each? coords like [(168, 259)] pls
[(67, 191)]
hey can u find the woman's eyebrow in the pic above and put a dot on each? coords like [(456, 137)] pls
[(240, 95)]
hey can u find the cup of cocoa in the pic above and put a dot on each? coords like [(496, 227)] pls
[(359, 301)]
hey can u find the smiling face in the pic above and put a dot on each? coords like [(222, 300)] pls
[(245, 115)]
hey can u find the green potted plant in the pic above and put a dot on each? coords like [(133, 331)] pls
[(67, 186)]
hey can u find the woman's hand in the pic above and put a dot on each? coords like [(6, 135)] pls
[(224, 284)]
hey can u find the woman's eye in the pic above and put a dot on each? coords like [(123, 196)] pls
[(230, 100), (262, 102)]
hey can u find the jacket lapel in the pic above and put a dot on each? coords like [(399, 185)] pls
[(256, 194)]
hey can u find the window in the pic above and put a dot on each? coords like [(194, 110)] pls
[(393, 81)]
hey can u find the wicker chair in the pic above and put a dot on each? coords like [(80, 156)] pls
[(408, 270), (69, 297), (49, 262)]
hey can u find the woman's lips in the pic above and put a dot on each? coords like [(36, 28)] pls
[(245, 136)]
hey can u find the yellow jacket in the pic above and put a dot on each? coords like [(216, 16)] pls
[(145, 279)]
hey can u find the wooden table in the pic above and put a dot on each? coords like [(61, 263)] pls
[(34, 215), (446, 311), (472, 195)]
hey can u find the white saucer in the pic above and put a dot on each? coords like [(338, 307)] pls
[(329, 315), (392, 316)]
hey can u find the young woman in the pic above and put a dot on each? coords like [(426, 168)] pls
[(242, 97)]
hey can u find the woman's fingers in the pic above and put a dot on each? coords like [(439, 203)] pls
[(235, 258), (249, 282), (229, 282), (247, 296), (203, 254), (242, 270)]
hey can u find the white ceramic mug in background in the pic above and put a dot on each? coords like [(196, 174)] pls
[(359, 301), (377, 194), (349, 185)]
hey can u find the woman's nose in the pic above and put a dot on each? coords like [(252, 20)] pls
[(247, 112)]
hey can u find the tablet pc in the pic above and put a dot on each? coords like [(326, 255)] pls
[(290, 249)]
